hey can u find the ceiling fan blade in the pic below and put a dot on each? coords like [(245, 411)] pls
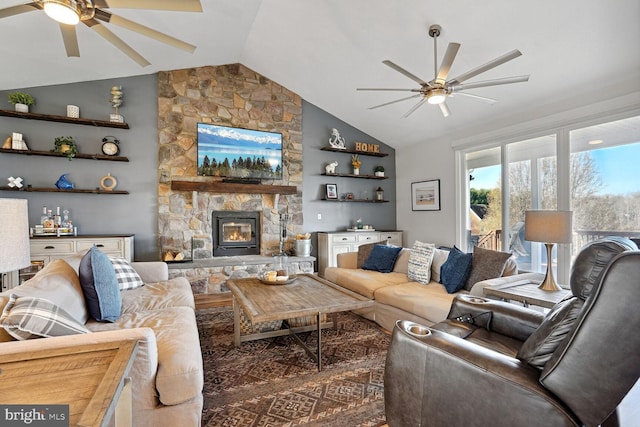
[(447, 61), (486, 83), (393, 102), (178, 5), (484, 99), (388, 89), (105, 16), (116, 41), (405, 72), (16, 10), (70, 38), (414, 108), (486, 67), (444, 109)]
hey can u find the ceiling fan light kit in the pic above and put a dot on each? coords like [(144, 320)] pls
[(69, 12), (436, 91)]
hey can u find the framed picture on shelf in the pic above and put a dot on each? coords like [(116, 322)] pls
[(425, 195), (332, 191)]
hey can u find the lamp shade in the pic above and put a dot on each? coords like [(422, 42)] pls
[(14, 235), (548, 226)]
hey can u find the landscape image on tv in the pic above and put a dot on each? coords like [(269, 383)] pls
[(238, 153)]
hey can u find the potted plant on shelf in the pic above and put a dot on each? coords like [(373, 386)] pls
[(66, 145), (379, 170), (355, 162), (22, 101)]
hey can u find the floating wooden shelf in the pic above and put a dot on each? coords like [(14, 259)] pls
[(64, 119), (355, 200), (337, 150), (349, 175), (53, 154), (227, 187), (57, 190)]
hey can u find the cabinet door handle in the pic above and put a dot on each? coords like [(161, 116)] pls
[(49, 247), (344, 238), (368, 238), (100, 245)]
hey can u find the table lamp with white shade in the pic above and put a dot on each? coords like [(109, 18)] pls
[(14, 235), (548, 227)]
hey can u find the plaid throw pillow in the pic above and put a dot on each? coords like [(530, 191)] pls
[(127, 277), (27, 317)]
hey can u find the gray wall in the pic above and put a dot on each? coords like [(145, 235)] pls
[(134, 213), (316, 130)]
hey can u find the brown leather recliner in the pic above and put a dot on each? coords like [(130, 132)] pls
[(493, 363)]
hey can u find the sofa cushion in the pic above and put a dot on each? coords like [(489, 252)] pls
[(28, 317), (127, 276), (180, 373), (431, 301), (486, 264), (100, 286), (365, 250), (420, 262), (382, 258), (58, 283), (455, 271), (157, 296), (439, 258), (363, 282), (539, 347)]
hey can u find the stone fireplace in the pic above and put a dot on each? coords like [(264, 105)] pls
[(229, 95), (235, 233)]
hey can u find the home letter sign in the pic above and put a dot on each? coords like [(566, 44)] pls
[(367, 148)]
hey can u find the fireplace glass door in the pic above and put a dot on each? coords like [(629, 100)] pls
[(236, 232)]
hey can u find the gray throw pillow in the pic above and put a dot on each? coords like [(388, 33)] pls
[(539, 347), (365, 250), (486, 264), (100, 286)]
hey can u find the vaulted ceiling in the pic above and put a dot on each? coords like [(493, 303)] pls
[(576, 51)]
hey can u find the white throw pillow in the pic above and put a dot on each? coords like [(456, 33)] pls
[(420, 262), (439, 257)]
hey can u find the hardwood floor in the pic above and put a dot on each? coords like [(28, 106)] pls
[(212, 300)]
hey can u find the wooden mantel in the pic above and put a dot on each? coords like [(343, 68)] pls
[(227, 187)]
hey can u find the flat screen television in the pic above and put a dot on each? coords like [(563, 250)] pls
[(239, 153)]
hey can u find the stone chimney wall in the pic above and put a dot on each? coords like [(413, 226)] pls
[(228, 95)]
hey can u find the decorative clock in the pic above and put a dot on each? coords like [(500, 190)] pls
[(110, 146)]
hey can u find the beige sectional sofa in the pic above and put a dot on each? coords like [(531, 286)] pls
[(395, 296), (167, 374)]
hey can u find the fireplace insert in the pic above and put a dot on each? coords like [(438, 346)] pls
[(236, 233)]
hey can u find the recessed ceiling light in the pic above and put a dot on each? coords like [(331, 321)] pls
[(595, 142)]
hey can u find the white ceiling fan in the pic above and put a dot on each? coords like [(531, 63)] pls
[(91, 13), (437, 90)]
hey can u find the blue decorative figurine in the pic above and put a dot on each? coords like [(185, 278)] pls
[(63, 183)]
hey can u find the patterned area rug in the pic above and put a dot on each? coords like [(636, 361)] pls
[(274, 382)]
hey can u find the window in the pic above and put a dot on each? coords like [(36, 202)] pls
[(596, 179)]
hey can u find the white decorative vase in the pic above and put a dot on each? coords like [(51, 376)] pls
[(379, 173), (356, 171), (22, 108)]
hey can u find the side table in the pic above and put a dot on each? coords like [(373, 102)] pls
[(527, 293)]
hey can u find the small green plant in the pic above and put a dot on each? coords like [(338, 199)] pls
[(21, 98), (65, 145), (379, 169)]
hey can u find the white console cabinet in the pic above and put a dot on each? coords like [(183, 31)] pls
[(46, 249), (330, 244)]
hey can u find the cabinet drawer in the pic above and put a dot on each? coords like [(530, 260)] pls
[(342, 238), (105, 245), (368, 238), (52, 247)]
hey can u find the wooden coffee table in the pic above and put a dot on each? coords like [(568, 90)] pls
[(308, 295)]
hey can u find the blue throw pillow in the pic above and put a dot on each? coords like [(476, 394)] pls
[(455, 270), (100, 286), (382, 258)]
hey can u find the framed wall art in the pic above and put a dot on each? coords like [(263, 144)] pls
[(425, 195), (332, 191)]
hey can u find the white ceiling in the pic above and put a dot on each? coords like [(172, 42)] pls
[(576, 51)]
